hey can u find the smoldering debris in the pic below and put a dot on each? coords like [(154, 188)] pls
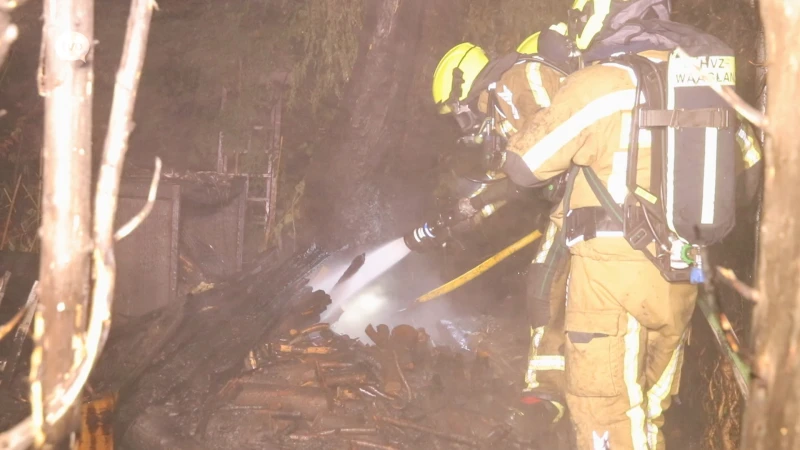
[(314, 388), (305, 386)]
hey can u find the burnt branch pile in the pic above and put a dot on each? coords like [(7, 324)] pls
[(298, 384)]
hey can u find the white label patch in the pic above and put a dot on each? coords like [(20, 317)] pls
[(702, 71), (508, 97)]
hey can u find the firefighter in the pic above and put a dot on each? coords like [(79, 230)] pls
[(520, 87), (625, 323)]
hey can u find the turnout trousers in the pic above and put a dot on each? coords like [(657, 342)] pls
[(546, 296), (625, 328)]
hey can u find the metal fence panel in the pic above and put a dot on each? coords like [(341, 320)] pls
[(147, 259)]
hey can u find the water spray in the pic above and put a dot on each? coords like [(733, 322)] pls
[(349, 280), (355, 276)]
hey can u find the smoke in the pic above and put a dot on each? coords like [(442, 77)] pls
[(381, 291)]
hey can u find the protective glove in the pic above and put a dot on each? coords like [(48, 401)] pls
[(465, 208)]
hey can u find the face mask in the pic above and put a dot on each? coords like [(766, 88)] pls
[(467, 120)]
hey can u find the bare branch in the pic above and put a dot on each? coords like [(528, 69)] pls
[(8, 34), (8, 31), (8, 326), (66, 206), (151, 199), (753, 115), (744, 290), (11, 207), (114, 150), (4, 285), (20, 437)]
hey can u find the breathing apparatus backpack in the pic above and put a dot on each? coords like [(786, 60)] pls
[(690, 203)]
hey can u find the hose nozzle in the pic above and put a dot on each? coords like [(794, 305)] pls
[(436, 233), (426, 237)]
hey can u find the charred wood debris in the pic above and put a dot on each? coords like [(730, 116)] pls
[(246, 364)]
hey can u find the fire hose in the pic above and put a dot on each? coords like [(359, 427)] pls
[(480, 268)]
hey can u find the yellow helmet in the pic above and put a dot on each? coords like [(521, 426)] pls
[(590, 17), (470, 60), (530, 46)]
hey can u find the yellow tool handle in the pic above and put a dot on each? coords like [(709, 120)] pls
[(479, 269)]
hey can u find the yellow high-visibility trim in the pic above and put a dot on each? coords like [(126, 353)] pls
[(599, 109), (658, 393), (530, 374), (540, 96), (636, 413), (748, 145), (507, 129), (550, 236), (594, 24), (646, 195), (554, 362)]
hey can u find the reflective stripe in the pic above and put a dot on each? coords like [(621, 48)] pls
[(550, 236), (561, 411), (751, 158), (508, 97), (507, 129), (659, 392), (478, 191), (530, 374), (534, 71), (670, 158), (600, 442), (531, 385), (594, 24), (636, 413), (748, 146), (487, 210), (536, 338), (599, 109), (709, 177), (573, 241), (554, 362)]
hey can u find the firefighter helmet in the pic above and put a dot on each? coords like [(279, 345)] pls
[(589, 18), (530, 46), (465, 61)]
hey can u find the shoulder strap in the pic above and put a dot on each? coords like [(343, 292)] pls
[(613, 210)]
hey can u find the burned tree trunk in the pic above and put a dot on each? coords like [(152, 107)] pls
[(343, 185), (774, 404), (66, 85)]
